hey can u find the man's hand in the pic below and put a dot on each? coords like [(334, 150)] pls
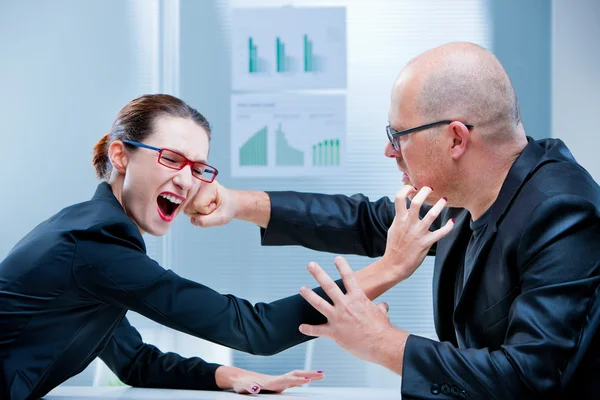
[(353, 321), (409, 238), (213, 205)]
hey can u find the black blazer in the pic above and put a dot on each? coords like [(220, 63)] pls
[(65, 289), (528, 317)]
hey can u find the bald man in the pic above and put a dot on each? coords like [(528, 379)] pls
[(516, 285)]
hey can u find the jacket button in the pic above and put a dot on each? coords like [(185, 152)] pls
[(463, 394), (435, 388), (446, 388), (454, 391)]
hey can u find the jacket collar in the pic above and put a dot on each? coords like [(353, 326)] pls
[(104, 192), (525, 165)]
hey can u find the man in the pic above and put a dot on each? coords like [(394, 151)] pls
[(516, 285)]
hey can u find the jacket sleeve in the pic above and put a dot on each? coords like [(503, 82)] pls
[(332, 223), (112, 268), (143, 365), (550, 324)]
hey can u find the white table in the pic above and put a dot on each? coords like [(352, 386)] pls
[(128, 393)]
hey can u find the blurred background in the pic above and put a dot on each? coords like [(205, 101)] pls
[(68, 66)]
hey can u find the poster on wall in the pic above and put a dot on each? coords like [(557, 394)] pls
[(280, 135), (288, 48)]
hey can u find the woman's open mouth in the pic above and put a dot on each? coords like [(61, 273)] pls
[(168, 204)]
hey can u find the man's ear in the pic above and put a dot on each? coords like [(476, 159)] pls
[(461, 137), (118, 156)]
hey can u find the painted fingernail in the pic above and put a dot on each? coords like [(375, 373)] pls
[(445, 198), (430, 188), (254, 388), (415, 188), (320, 372), (452, 219), (306, 377)]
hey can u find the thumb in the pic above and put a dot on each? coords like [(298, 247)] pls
[(206, 221), (384, 307)]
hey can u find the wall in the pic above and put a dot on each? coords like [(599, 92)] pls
[(576, 79)]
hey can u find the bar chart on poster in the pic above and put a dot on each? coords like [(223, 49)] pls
[(287, 135), (289, 48)]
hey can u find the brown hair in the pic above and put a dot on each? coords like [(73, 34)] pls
[(135, 122)]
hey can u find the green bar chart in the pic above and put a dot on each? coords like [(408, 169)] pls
[(284, 153), (308, 56), (326, 153), (286, 135), (288, 49), (252, 56), (254, 150), (256, 64)]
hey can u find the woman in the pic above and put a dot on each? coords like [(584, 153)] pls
[(67, 285)]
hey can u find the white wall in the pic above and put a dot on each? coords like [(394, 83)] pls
[(66, 68), (576, 79)]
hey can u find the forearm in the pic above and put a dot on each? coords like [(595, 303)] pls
[(333, 223), (378, 278), (253, 206)]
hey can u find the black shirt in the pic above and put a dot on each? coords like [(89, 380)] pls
[(466, 266)]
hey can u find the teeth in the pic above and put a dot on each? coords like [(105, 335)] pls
[(172, 199)]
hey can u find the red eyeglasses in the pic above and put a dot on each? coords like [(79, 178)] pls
[(172, 159)]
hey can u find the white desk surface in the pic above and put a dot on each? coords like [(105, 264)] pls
[(128, 393)]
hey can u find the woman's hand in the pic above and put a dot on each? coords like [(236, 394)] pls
[(409, 238), (248, 382), (254, 383)]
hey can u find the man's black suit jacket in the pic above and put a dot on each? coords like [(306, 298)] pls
[(65, 289), (528, 317)]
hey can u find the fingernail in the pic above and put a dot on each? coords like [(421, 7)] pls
[(254, 388), (306, 377), (430, 188), (415, 188), (452, 219), (311, 265), (319, 372), (445, 198)]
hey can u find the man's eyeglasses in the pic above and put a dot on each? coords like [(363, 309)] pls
[(393, 135), (172, 159)]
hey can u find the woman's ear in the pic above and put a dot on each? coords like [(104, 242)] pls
[(118, 156)]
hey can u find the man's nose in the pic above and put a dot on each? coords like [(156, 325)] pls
[(390, 152)]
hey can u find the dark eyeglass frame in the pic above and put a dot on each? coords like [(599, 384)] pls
[(207, 168), (394, 135)]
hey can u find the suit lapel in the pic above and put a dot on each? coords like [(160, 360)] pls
[(444, 272)]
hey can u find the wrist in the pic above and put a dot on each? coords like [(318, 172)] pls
[(390, 353), (391, 272), (252, 206), (226, 376), (396, 270)]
